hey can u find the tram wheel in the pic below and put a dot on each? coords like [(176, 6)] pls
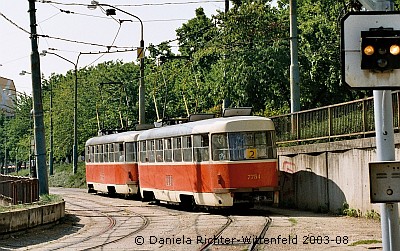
[(188, 203)]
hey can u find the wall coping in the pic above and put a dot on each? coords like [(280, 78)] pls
[(335, 146), (25, 218)]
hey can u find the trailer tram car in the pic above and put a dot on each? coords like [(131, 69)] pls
[(111, 163), (219, 162)]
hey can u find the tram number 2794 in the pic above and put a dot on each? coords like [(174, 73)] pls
[(256, 176)]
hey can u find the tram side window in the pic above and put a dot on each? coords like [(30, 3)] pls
[(177, 145), (159, 150), (101, 155), (201, 146), (220, 146), (150, 150), (271, 145), (130, 151), (143, 151), (105, 153), (98, 155), (87, 154), (111, 153), (187, 148), (119, 154), (91, 154), (168, 150)]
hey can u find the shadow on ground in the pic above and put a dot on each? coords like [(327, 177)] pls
[(41, 234)]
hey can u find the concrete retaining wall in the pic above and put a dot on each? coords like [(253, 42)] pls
[(26, 218), (324, 176)]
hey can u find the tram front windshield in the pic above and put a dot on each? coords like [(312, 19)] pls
[(243, 145)]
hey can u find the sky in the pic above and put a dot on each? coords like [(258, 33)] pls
[(62, 21)]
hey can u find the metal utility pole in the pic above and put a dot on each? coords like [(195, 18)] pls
[(5, 156), (40, 143), (51, 130), (385, 145), (75, 147), (385, 151), (142, 90), (226, 101), (75, 144), (294, 65)]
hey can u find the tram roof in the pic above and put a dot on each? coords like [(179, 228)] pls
[(129, 136), (215, 125)]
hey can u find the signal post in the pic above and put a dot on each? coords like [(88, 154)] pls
[(371, 60)]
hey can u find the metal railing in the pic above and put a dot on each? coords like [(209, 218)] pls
[(18, 190), (347, 120)]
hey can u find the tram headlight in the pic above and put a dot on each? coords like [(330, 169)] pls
[(380, 50)]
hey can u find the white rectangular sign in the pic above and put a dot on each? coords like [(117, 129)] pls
[(384, 181), (352, 74)]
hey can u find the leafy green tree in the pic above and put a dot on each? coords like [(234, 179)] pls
[(107, 99), (195, 34), (17, 130), (243, 55), (254, 43)]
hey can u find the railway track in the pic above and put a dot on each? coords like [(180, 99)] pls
[(106, 223), (238, 233), (103, 220), (254, 244), (214, 239), (113, 221)]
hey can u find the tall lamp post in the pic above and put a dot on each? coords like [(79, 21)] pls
[(51, 172), (75, 146), (142, 90)]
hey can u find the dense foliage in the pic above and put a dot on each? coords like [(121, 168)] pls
[(242, 56)]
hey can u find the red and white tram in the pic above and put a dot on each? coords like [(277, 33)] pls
[(215, 162), (111, 163)]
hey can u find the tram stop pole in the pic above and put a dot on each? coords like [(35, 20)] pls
[(385, 151)]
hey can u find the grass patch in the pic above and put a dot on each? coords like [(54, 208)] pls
[(365, 242), (63, 176), (21, 173), (49, 198), (351, 212), (43, 200), (346, 210), (293, 221), (372, 215)]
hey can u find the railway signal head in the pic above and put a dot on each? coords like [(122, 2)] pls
[(380, 49)]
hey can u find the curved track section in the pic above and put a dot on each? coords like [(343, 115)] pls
[(239, 233), (104, 224), (96, 222)]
